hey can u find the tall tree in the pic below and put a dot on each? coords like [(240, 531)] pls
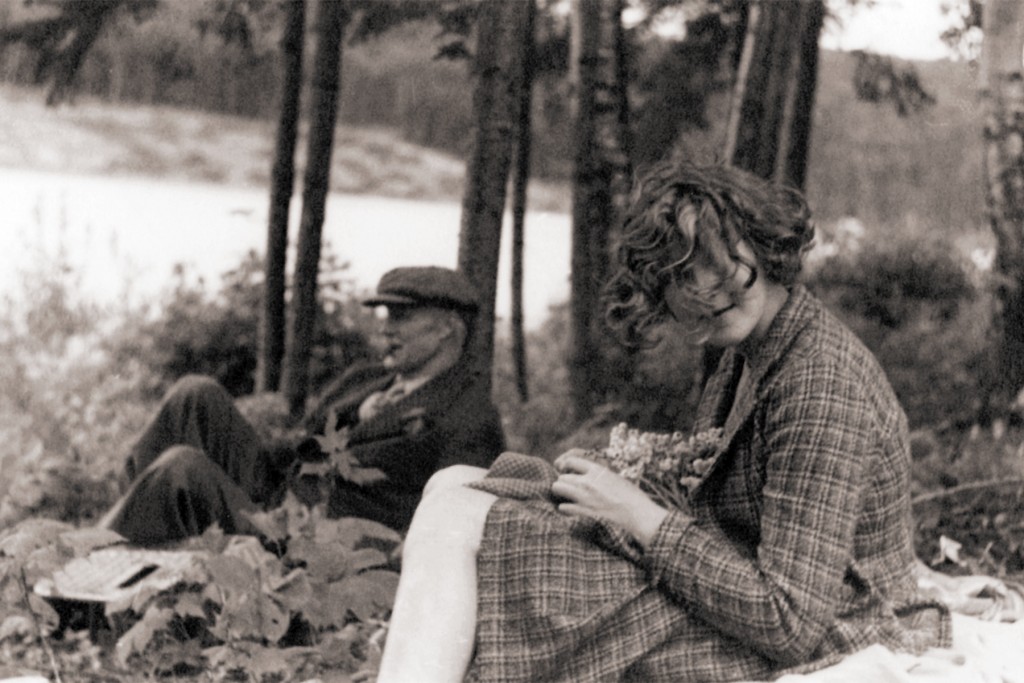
[(332, 17), (770, 119), (521, 179), (600, 188), (1003, 90), (497, 67), (282, 182)]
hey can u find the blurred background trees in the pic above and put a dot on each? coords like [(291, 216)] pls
[(331, 20), (1003, 89), (282, 184), (600, 189)]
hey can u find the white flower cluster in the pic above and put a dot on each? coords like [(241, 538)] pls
[(666, 466)]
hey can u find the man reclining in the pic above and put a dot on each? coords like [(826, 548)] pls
[(421, 409)]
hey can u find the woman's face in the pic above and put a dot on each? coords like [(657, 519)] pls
[(738, 307)]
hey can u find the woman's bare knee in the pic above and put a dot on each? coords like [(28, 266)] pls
[(453, 520), (450, 477)]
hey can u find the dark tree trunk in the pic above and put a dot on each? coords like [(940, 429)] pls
[(330, 25), (501, 27), (519, 187), (282, 182), (600, 190), (773, 98), (770, 121), (1003, 89)]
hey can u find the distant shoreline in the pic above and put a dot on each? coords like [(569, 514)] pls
[(91, 137)]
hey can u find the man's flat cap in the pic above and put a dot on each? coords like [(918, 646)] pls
[(425, 286)]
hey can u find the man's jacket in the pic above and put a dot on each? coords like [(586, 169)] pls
[(449, 420)]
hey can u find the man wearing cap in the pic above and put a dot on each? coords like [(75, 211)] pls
[(397, 422)]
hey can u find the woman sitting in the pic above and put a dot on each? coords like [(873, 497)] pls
[(795, 545)]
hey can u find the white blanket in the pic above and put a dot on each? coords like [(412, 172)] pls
[(982, 652), (988, 639)]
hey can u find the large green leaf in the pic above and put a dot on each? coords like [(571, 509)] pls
[(232, 574), (140, 635), (366, 595), (293, 591), (326, 562), (30, 535), (16, 625), (351, 531)]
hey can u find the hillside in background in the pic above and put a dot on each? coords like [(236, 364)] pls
[(405, 122), (923, 171)]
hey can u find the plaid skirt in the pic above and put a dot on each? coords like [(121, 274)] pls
[(566, 598), (563, 598)]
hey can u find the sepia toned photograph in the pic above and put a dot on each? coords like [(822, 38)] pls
[(428, 341)]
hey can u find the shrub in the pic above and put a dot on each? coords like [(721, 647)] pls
[(914, 303), (660, 394), (216, 335), (535, 425), (68, 408), (81, 381), (890, 283)]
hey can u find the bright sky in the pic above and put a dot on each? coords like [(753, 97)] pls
[(908, 29)]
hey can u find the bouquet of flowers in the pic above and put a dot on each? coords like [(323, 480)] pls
[(665, 466)]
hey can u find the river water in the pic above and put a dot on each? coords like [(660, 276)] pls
[(124, 236)]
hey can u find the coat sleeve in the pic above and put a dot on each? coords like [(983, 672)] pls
[(780, 596)]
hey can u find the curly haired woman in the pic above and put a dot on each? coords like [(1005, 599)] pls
[(795, 546)]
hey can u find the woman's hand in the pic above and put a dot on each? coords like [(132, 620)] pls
[(593, 490)]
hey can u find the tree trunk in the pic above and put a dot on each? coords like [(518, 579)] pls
[(90, 21), (600, 190), (331, 20), (770, 121), (519, 187), (1003, 90), (282, 182), (501, 27)]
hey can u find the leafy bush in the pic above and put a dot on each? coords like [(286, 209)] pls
[(80, 381), (535, 425), (891, 283), (217, 335), (234, 609), (660, 393), (67, 408), (915, 303), (77, 389)]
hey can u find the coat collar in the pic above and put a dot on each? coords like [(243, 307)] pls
[(717, 404)]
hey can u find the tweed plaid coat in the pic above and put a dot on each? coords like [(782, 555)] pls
[(796, 548)]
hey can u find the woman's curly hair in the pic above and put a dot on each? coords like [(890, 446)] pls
[(676, 208)]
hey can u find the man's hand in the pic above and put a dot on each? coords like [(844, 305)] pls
[(593, 490)]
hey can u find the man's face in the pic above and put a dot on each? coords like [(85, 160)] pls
[(414, 336)]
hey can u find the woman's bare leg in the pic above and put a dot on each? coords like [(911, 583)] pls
[(433, 626)]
